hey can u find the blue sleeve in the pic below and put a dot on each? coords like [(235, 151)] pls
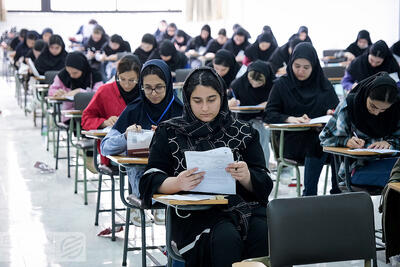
[(347, 81), (113, 144)]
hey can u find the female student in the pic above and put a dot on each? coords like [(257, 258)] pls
[(226, 66), (358, 47), (156, 103), (199, 43), (282, 54), (34, 53), (76, 77), (94, 45), (167, 52), (237, 44), (267, 29), (253, 89), (112, 98), (147, 46), (169, 34), (379, 58), (302, 34), (110, 55), (181, 40), (301, 94), (369, 117), (46, 34), (204, 237), (24, 47), (53, 56), (262, 49), (216, 44), (395, 49)]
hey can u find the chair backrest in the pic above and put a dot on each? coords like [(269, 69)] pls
[(320, 229), (181, 74), (331, 52), (81, 100), (334, 71), (49, 76)]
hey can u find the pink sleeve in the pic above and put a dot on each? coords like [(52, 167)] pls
[(56, 85), (97, 85)]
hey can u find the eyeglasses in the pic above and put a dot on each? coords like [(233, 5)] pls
[(159, 89), (130, 81)]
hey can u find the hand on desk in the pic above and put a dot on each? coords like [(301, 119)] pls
[(188, 180), (302, 119), (133, 128), (380, 145), (109, 122), (73, 92), (355, 142), (330, 112), (60, 93)]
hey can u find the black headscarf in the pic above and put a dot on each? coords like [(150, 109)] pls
[(143, 55), (253, 52), (354, 48), (22, 48), (231, 45), (308, 94), (198, 42), (130, 96), (396, 48), (186, 38), (360, 68), (89, 76), (374, 126), (97, 46), (143, 112), (178, 59), (47, 61), (123, 45), (46, 30), (267, 29), (227, 57), (301, 29)]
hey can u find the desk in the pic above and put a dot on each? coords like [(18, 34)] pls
[(95, 134), (281, 159), (172, 202), (346, 154), (247, 109)]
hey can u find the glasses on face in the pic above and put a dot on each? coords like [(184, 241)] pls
[(159, 89), (128, 81)]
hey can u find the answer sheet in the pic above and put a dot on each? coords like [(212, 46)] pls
[(380, 151), (213, 162)]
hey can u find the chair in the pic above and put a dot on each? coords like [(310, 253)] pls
[(181, 74), (333, 56), (334, 71), (321, 229)]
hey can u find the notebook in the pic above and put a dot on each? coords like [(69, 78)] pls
[(34, 70)]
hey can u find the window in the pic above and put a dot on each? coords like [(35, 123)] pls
[(151, 5), (31, 5), (83, 5)]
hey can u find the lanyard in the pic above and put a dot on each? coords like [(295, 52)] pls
[(162, 115)]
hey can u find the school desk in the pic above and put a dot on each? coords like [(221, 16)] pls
[(247, 109)]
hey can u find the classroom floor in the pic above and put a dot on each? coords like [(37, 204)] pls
[(42, 221)]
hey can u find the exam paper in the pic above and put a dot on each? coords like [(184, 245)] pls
[(318, 120), (213, 162), (188, 197)]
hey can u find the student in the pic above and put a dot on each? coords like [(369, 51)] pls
[(162, 28), (379, 58), (282, 54), (76, 77), (147, 46), (110, 51), (156, 103), (261, 49), (199, 43), (167, 52), (170, 32), (205, 237), (301, 94), (358, 47), (181, 40), (53, 56), (237, 26), (94, 45), (395, 49), (237, 44), (302, 34), (253, 89), (226, 66), (84, 32), (214, 45), (23, 48), (34, 53), (267, 29), (46, 34), (112, 98), (369, 117), (18, 39)]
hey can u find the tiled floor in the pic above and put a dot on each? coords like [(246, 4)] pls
[(42, 222)]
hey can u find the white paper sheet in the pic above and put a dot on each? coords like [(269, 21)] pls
[(394, 76), (318, 120), (380, 151), (213, 162), (188, 197)]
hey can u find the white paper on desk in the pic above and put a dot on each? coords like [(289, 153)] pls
[(213, 162), (318, 120), (380, 151), (70, 98), (188, 197), (394, 76)]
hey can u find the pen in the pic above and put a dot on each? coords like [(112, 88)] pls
[(355, 135), (233, 94)]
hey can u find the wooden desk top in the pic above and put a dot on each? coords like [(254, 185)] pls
[(395, 186), (259, 107), (348, 151), (94, 134), (186, 202), (71, 112), (177, 85), (58, 98), (293, 126), (335, 79), (128, 160)]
